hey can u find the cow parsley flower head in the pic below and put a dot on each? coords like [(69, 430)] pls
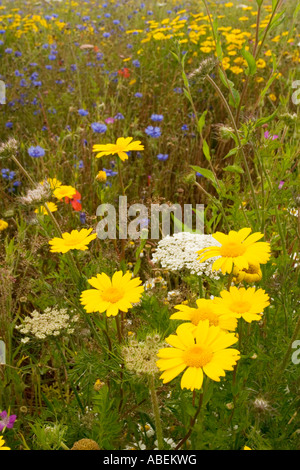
[(179, 252), (51, 323)]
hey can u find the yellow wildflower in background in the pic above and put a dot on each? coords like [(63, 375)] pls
[(2, 442), (3, 225), (101, 176), (43, 211), (251, 274), (72, 241), (120, 148), (112, 295), (64, 191), (237, 249), (204, 351), (246, 303), (205, 311)]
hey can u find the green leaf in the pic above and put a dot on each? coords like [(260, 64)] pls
[(259, 2), (201, 122), (206, 150), (187, 95), (236, 97), (264, 120), (234, 169), (206, 173), (251, 70), (231, 152)]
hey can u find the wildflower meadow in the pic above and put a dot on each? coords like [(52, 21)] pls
[(149, 225)]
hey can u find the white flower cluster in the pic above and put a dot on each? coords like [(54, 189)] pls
[(52, 322), (179, 252), (41, 193), (10, 146)]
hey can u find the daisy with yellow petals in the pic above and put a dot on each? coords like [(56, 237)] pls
[(251, 274), (246, 303), (3, 225), (64, 191), (2, 446), (43, 211), (76, 240), (203, 351), (120, 148), (112, 295), (236, 249), (205, 311)]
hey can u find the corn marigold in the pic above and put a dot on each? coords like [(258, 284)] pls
[(205, 311), (246, 303), (204, 350), (251, 274), (120, 148), (112, 295), (76, 240), (237, 249)]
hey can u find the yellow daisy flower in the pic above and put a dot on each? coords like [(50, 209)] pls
[(101, 176), (236, 250), (64, 191), (42, 209), (120, 148), (246, 303), (72, 241), (3, 225), (2, 442), (53, 182), (205, 311), (204, 351), (112, 295), (251, 274)]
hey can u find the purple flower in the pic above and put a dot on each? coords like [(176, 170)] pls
[(83, 112), (162, 157), (267, 135), (6, 421), (98, 127), (153, 131), (36, 152), (109, 120), (156, 117), (281, 183)]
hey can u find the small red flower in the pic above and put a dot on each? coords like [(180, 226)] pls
[(124, 72), (75, 201)]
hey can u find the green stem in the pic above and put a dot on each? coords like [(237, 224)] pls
[(71, 383), (238, 139), (192, 423), (155, 408)]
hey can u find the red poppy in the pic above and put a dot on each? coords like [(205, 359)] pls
[(75, 201), (124, 72)]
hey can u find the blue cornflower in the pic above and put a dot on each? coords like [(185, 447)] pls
[(162, 157), (8, 50), (138, 95), (36, 152), (156, 117), (83, 112), (9, 125), (184, 127), (136, 63), (82, 217), (119, 116), (106, 35), (153, 131), (98, 127), (177, 90)]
